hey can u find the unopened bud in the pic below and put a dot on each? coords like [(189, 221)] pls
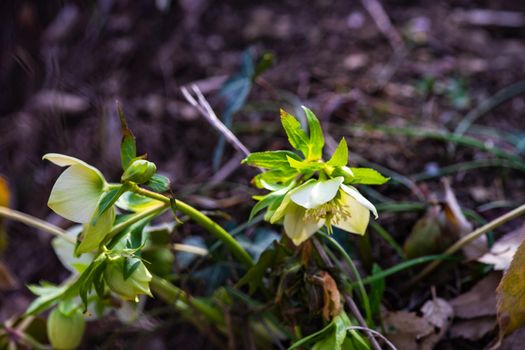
[(140, 171), (129, 289), (65, 331)]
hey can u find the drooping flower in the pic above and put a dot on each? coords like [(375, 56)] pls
[(76, 196), (131, 287), (315, 203)]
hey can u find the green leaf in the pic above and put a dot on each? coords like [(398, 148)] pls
[(377, 289), (130, 265), (48, 295), (128, 146), (296, 135), (340, 156), (275, 176), (305, 167), (255, 274), (85, 282), (367, 176), (316, 142), (159, 183), (270, 159), (108, 199), (314, 337)]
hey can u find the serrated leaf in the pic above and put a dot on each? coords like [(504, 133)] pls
[(275, 176), (159, 183), (305, 167), (47, 296), (270, 159), (128, 146), (340, 156), (296, 135), (129, 266), (367, 176), (316, 141)]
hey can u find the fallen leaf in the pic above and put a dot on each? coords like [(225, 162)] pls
[(501, 253), (407, 331), (480, 300), (511, 295), (438, 312), (456, 222), (473, 329)]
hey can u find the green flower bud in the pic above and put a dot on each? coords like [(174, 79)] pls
[(65, 331), (129, 289), (140, 171)]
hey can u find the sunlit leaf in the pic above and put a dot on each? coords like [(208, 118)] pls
[(316, 141), (296, 135)]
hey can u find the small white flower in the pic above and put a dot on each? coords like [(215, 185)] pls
[(315, 203)]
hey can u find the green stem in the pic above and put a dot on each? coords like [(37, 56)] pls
[(469, 238), (349, 261), (174, 296), (204, 221), (165, 290), (35, 222), (132, 220)]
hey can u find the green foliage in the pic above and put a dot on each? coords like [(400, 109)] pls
[(128, 146)]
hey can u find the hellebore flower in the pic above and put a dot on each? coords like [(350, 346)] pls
[(315, 203), (127, 288), (76, 196)]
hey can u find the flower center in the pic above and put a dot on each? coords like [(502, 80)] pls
[(332, 212)]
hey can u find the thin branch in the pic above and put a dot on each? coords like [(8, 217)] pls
[(383, 23), (36, 223), (204, 108), (366, 329)]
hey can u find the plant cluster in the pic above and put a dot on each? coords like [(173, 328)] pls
[(295, 292)]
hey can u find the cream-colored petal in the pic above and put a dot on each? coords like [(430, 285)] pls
[(295, 225), (281, 210), (76, 193), (360, 198), (63, 160), (93, 235), (64, 250), (317, 193), (359, 215)]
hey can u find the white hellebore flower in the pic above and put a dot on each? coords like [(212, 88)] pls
[(76, 196), (323, 202)]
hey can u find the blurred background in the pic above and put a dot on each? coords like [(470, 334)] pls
[(420, 89)]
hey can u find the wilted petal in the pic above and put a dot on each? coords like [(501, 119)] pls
[(295, 225), (94, 234), (76, 193), (359, 215), (314, 194), (360, 198)]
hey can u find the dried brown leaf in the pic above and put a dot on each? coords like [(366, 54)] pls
[(408, 331), (480, 300), (331, 296), (438, 312), (503, 250)]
